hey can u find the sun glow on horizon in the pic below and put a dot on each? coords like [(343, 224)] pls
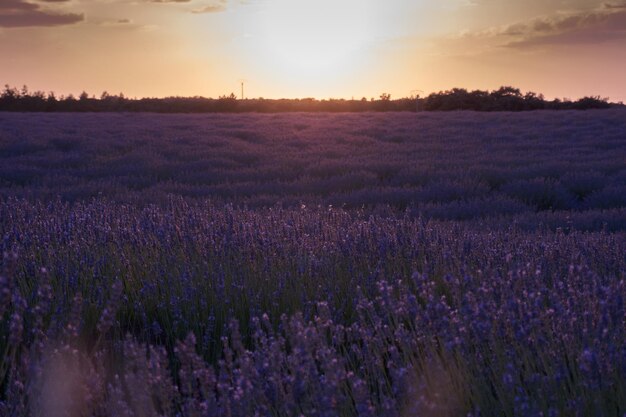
[(314, 41), (312, 48)]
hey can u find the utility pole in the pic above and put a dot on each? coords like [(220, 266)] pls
[(242, 81)]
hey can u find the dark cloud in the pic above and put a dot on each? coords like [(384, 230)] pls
[(16, 6), (607, 23), (20, 13)]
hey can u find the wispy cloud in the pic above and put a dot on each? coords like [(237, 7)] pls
[(20, 13), (215, 7), (123, 24), (116, 22)]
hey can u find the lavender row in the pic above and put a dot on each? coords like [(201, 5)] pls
[(448, 166)]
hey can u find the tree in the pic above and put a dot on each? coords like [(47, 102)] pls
[(9, 92), (232, 96), (507, 91)]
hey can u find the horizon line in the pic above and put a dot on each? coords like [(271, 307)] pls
[(92, 96)]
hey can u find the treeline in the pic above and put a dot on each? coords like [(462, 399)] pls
[(503, 99), (506, 99)]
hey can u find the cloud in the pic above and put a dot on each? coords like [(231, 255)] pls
[(16, 5), (20, 13), (621, 6), (606, 23), (116, 22), (122, 24), (216, 7), (595, 26)]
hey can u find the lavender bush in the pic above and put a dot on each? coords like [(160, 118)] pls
[(454, 286)]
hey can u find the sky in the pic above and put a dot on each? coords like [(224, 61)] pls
[(314, 48)]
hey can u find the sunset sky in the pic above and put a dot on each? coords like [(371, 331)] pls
[(321, 48)]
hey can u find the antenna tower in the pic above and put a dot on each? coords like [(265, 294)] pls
[(242, 81)]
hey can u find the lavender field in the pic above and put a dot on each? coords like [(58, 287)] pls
[(373, 264)]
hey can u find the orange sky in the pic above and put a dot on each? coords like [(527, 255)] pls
[(321, 48)]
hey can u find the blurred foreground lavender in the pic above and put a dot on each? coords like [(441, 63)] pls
[(197, 310)]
